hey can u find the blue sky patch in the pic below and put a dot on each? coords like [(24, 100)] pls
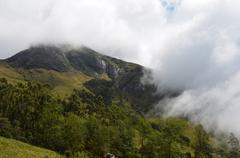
[(170, 6)]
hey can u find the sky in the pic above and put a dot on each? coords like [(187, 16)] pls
[(125, 29), (191, 45)]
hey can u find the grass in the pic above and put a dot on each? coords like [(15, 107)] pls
[(10, 148), (10, 74), (61, 83)]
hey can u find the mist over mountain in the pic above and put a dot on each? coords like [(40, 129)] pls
[(130, 78), (190, 46)]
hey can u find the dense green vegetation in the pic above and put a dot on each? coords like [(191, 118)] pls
[(91, 123)]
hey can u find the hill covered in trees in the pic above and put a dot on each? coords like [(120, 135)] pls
[(65, 69), (90, 125), (81, 109)]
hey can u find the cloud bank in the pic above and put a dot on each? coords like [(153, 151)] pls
[(115, 27), (190, 45)]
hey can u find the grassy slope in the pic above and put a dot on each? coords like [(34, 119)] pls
[(10, 74), (62, 83), (10, 148)]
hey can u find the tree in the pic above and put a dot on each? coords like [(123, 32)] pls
[(96, 137), (74, 134), (202, 148), (49, 132), (144, 131), (6, 128), (171, 132), (234, 146)]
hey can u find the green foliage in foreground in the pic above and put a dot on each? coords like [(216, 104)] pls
[(10, 148), (84, 126)]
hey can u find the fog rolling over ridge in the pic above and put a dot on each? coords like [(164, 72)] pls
[(192, 46)]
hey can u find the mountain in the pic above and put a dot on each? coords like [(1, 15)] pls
[(63, 59), (65, 69), (89, 105)]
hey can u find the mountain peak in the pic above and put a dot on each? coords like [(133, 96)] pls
[(65, 58), (45, 57)]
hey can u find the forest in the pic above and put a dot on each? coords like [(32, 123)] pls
[(90, 123)]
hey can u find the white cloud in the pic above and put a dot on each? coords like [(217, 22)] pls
[(115, 27), (190, 44), (217, 108)]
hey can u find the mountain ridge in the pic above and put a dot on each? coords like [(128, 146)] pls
[(65, 69), (64, 59)]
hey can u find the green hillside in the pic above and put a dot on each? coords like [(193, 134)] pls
[(65, 69), (82, 104), (10, 148), (61, 83), (10, 74), (92, 123)]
